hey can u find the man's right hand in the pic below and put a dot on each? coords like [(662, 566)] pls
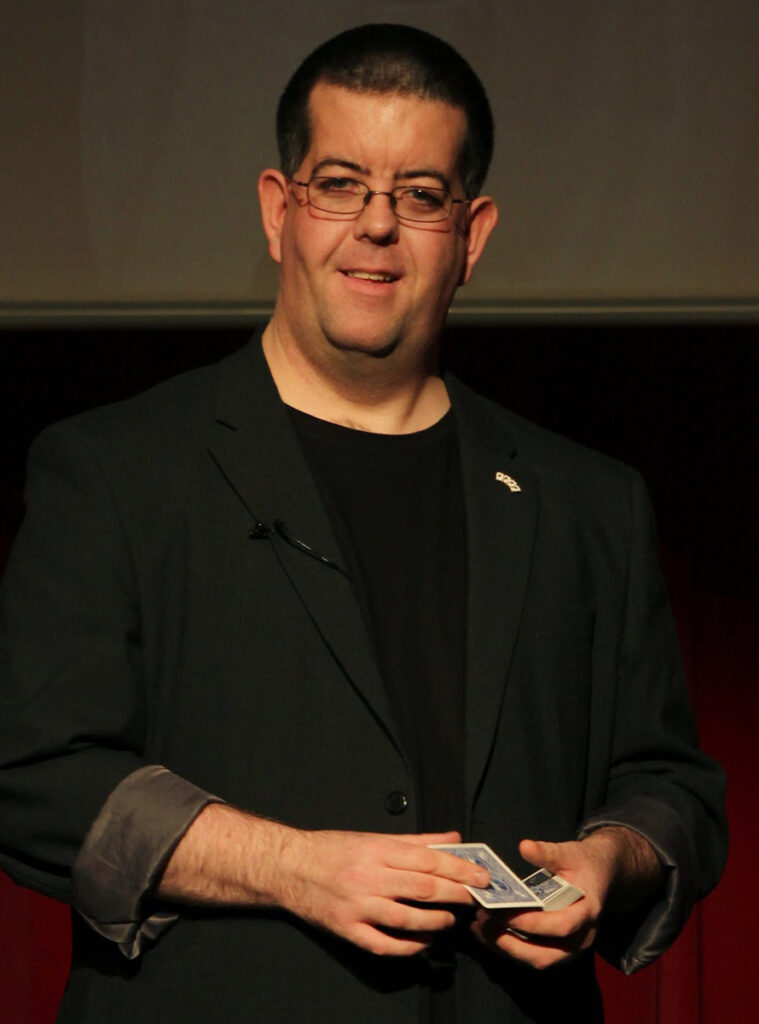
[(357, 885)]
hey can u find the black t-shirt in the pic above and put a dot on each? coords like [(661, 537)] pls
[(397, 507), (396, 504)]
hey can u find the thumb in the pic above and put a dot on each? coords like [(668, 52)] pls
[(542, 855)]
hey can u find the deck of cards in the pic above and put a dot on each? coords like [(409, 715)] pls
[(539, 891)]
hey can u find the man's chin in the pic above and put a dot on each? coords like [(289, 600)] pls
[(372, 348)]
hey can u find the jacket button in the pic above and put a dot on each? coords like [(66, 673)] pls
[(396, 802)]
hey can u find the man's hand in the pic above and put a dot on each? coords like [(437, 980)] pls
[(358, 885), (617, 869)]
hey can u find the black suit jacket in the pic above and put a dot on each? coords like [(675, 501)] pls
[(148, 621)]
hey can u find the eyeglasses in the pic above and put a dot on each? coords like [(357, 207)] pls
[(348, 197)]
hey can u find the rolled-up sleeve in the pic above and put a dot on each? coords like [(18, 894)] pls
[(633, 940), (125, 851)]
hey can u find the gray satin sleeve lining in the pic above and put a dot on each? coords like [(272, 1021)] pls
[(125, 851), (631, 941)]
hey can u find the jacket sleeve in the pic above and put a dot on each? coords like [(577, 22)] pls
[(73, 698), (661, 784), (123, 855)]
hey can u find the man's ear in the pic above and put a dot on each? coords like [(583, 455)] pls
[(483, 217), (273, 193)]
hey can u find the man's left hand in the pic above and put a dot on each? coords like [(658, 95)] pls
[(616, 868)]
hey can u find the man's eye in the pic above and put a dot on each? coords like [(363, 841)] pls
[(425, 198), (325, 185)]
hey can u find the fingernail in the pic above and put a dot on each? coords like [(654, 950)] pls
[(482, 879)]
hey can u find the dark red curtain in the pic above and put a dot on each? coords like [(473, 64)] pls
[(707, 976), (677, 402)]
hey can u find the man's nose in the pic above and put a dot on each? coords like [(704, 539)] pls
[(377, 221)]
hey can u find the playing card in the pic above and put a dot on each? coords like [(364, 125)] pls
[(505, 889), (540, 891), (553, 891)]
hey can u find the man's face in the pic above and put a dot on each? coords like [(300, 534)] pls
[(372, 284)]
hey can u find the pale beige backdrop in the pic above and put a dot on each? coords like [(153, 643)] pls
[(626, 166)]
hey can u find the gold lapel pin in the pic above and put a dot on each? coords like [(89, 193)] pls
[(510, 482)]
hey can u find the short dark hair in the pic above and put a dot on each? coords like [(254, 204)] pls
[(389, 59)]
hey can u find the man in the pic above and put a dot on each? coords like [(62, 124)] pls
[(368, 608)]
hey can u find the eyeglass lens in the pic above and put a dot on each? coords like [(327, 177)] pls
[(348, 196)]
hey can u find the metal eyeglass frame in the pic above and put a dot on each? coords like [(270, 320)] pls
[(367, 193)]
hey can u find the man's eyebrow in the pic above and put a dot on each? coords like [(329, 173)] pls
[(334, 161), (424, 172)]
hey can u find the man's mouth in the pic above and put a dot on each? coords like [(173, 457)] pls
[(368, 275)]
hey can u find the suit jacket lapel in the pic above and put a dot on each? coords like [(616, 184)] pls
[(501, 522), (258, 453)]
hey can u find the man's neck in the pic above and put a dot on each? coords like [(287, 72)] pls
[(366, 393)]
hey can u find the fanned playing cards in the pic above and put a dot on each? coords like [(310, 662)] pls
[(541, 890)]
